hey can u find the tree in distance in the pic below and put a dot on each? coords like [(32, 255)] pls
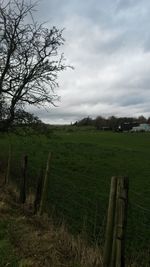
[(29, 59)]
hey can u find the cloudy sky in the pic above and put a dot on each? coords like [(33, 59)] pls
[(108, 43)]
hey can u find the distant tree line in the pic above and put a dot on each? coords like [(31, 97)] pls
[(112, 123)]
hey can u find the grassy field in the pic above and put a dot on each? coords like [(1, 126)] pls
[(81, 168)]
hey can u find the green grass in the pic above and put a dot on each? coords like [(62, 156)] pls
[(7, 255), (81, 168)]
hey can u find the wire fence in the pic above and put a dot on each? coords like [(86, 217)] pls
[(84, 207)]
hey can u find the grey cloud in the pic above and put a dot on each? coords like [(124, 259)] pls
[(108, 43), (121, 4)]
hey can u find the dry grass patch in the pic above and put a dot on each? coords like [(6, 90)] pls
[(38, 242), (41, 243)]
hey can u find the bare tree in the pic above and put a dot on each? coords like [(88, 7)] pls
[(29, 58)]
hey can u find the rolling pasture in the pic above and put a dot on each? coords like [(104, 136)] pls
[(82, 165)]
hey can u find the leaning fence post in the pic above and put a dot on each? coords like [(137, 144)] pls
[(121, 209), (43, 196), (23, 180), (8, 166), (110, 223)]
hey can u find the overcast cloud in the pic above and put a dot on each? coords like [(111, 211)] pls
[(108, 43)]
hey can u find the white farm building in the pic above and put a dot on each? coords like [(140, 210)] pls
[(144, 127)]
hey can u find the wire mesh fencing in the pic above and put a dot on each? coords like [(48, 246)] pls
[(83, 205)]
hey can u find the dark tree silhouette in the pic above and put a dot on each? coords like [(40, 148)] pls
[(29, 58)]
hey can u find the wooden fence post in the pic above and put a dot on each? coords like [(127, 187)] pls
[(23, 180), (43, 196), (114, 249), (110, 223), (121, 214), (8, 166)]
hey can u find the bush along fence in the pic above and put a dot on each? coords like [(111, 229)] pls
[(114, 247)]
